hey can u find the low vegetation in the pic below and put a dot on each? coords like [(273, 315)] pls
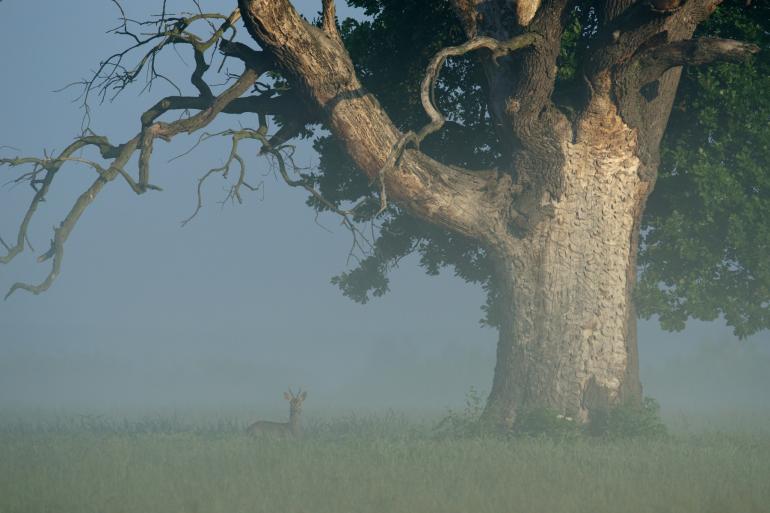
[(371, 464)]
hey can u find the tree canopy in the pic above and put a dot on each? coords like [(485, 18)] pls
[(706, 231)]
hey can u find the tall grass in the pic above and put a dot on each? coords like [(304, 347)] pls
[(369, 464)]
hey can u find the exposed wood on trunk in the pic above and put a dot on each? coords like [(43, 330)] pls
[(564, 342), (634, 27)]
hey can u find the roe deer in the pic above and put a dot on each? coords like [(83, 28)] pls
[(291, 428)]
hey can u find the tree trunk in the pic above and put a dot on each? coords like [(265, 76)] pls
[(567, 336)]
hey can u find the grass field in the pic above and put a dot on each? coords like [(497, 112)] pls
[(386, 464)]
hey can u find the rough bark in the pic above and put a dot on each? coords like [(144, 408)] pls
[(564, 343)]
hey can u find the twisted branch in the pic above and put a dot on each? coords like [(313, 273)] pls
[(427, 95)]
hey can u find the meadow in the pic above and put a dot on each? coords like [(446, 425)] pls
[(376, 464)]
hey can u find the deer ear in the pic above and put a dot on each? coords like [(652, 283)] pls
[(287, 396), (303, 395)]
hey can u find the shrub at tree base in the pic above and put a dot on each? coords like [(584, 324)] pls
[(624, 421)]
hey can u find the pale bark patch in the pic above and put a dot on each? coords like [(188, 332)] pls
[(570, 290)]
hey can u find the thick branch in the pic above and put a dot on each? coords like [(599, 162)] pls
[(695, 52), (284, 105), (629, 28), (460, 200)]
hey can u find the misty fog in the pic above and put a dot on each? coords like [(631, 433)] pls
[(162, 370)]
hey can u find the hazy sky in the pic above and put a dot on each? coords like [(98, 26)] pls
[(230, 310)]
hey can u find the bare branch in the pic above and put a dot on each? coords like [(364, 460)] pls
[(282, 156), (113, 76), (237, 136), (42, 186), (56, 251), (197, 77)]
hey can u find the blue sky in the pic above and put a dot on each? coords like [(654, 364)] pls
[(231, 309)]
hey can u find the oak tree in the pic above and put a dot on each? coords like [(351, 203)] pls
[(518, 141)]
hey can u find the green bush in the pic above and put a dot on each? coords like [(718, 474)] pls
[(628, 421), (623, 421)]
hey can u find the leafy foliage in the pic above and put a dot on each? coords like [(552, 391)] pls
[(628, 421), (707, 229)]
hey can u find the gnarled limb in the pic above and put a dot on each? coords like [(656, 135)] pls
[(45, 169), (498, 49), (427, 92), (654, 62), (472, 204)]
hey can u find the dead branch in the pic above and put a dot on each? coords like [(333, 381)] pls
[(283, 157), (45, 169), (62, 232), (113, 76), (208, 105)]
